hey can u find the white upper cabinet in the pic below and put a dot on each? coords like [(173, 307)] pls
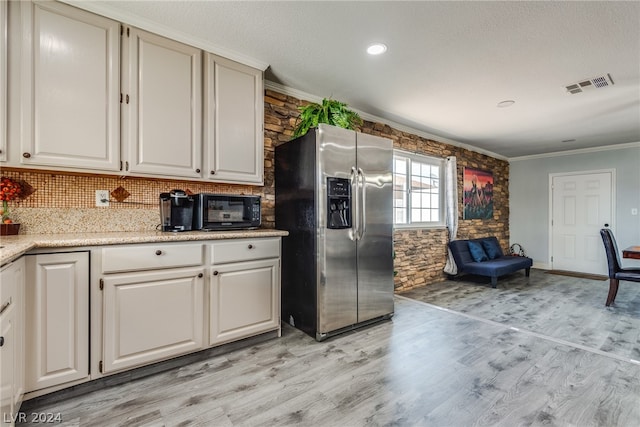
[(162, 110), (3, 80), (234, 111), (70, 88), (101, 96)]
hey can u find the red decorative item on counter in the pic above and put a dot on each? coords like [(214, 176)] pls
[(9, 190)]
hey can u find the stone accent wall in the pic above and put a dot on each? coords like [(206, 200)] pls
[(420, 253)]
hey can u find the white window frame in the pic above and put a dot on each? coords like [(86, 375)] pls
[(412, 158)]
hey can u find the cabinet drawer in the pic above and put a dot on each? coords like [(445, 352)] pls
[(135, 258), (244, 250)]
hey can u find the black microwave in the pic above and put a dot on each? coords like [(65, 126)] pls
[(226, 212)]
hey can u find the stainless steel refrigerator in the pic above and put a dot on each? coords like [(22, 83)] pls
[(334, 197)]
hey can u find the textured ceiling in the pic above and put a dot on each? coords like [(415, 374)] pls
[(448, 63)]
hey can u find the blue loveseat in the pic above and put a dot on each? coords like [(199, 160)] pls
[(490, 261)]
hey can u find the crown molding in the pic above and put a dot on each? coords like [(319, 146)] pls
[(106, 10), (296, 93), (578, 151)]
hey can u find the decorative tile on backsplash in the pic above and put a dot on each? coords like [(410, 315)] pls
[(59, 190), (63, 203)]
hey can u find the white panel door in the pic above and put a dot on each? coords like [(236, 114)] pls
[(162, 111), (582, 205), (244, 300), (70, 89), (14, 274), (57, 319), (11, 352), (7, 365), (152, 316), (234, 122)]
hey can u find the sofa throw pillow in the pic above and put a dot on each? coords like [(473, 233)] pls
[(477, 253), (491, 248)]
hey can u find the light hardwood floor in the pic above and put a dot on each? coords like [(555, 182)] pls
[(428, 366)]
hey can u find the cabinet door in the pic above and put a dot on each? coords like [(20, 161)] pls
[(13, 274), (10, 351), (162, 121), (3, 80), (7, 365), (244, 300), (70, 88), (57, 321), (151, 316), (234, 112)]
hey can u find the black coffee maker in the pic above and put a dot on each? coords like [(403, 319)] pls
[(176, 211)]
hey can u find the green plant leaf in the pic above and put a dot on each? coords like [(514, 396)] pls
[(331, 112)]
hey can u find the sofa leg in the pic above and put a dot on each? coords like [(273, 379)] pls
[(613, 290), (527, 271), (494, 281)]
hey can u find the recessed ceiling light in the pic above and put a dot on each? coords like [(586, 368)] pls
[(377, 49), (505, 104)]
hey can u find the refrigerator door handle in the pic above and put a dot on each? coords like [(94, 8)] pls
[(363, 203), (353, 231)]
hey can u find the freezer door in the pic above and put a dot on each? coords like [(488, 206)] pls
[(375, 245), (337, 288)]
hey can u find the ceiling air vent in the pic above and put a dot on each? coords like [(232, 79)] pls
[(588, 84)]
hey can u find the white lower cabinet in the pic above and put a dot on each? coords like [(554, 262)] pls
[(11, 341), (244, 297), (57, 319), (7, 367), (243, 300), (147, 303), (151, 316)]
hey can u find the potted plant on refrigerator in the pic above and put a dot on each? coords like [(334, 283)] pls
[(331, 112)]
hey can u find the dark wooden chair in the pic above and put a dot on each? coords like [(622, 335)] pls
[(616, 272)]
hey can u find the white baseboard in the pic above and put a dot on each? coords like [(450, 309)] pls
[(541, 265)]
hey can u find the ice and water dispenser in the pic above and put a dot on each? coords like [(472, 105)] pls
[(338, 203)]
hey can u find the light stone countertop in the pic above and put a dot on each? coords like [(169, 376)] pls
[(12, 247)]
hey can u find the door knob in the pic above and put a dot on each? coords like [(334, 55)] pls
[(215, 273), (158, 252), (606, 225), (26, 155), (1, 341)]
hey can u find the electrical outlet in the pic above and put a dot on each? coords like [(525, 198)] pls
[(102, 198)]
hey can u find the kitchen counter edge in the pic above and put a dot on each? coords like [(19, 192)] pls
[(13, 247)]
